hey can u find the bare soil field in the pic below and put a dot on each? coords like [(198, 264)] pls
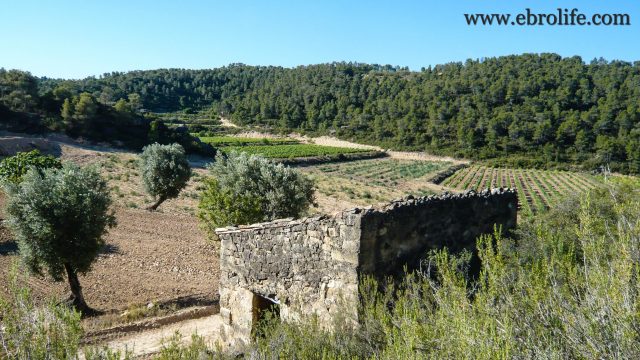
[(150, 257), (161, 257)]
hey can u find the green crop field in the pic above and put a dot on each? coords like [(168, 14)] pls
[(275, 148), (289, 151), (537, 189), (385, 172), (223, 141)]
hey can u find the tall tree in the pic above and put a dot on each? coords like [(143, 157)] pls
[(59, 218)]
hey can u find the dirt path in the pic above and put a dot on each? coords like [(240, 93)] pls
[(404, 155), (150, 342), (424, 156), (227, 123), (332, 141)]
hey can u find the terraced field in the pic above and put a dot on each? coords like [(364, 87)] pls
[(537, 189), (387, 172), (221, 141), (277, 148), (367, 182), (290, 151)]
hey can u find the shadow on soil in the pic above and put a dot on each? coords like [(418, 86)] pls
[(8, 248), (174, 304), (111, 249), (191, 300)]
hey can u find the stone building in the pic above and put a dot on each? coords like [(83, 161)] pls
[(313, 265)]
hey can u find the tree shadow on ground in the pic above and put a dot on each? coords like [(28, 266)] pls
[(192, 300), (8, 248), (111, 249)]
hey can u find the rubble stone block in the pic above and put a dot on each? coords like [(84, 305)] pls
[(312, 266)]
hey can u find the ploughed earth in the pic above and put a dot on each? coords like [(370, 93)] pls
[(150, 257), (158, 257)]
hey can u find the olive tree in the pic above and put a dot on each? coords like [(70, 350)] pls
[(165, 171), (245, 189), (59, 218)]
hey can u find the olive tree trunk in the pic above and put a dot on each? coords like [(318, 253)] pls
[(153, 207), (76, 299)]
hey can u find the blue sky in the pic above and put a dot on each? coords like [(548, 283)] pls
[(74, 39)]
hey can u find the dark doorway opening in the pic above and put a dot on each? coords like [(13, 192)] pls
[(265, 310)]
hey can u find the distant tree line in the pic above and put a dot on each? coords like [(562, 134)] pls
[(529, 110), (28, 104)]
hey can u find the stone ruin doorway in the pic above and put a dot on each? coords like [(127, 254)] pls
[(261, 308)]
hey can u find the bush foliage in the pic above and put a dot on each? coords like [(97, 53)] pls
[(13, 168), (28, 331), (165, 171), (246, 189), (47, 331)]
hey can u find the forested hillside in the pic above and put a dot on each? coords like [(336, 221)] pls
[(28, 105), (531, 110)]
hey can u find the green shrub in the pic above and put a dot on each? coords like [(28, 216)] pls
[(220, 206), (28, 331), (13, 168), (197, 348), (246, 189), (104, 353), (165, 171), (48, 331)]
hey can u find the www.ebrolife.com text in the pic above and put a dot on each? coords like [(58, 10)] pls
[(562, 17)]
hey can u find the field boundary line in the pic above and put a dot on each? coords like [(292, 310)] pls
[(102, 335)]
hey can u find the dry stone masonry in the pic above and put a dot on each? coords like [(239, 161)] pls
[(312, 265)]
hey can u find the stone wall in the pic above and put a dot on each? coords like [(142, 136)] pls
[(308, 266), (404, 231), (312, 265)]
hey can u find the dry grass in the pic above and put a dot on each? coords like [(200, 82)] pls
[(367, 182), (121, 170)]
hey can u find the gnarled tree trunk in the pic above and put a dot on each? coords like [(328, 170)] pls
[(76, 299), (153, 207)]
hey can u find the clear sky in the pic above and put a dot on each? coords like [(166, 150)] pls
[(74, 39)]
